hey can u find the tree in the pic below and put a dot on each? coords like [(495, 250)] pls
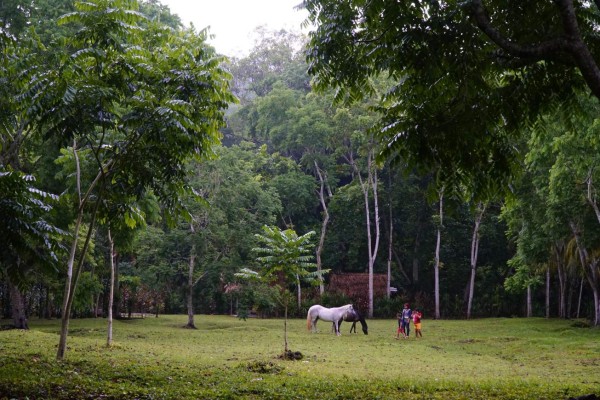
[(284, 257), (139, 112), (466, 74), (28, 239)]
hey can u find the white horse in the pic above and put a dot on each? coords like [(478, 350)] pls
[(334, 315)]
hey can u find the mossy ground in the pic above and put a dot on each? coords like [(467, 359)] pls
[(156, 358)]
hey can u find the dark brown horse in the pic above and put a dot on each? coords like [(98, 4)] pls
[(355, 317)]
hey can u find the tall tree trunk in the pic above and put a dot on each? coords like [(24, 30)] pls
[(111, 292), (589, 265), (17, 302), (529, 304), (436, 267), (299, 292), (390, 238), (474, 253), (72, 272), (548, 292), (579, 298), (324, 224), (366, 187), (62, 344), (190, 292), (562, 279)]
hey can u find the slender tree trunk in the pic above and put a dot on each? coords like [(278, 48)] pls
[(285, 335), (17, 302), (579, 299), (111, 292), (529, 304), (73, 273), (324, 225), (366, 187), (299, 292), (474, 253), (400, 266), (190, 293), (64, 330), (415, 260), (562, 280), (590, 267), (548, 292), (437, 256), (390, 238)]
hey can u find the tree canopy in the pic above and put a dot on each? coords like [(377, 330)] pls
[(463, 76)]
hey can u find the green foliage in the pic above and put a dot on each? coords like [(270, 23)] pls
[(283, 252), (88, 288), (457, 99), (27, 238)]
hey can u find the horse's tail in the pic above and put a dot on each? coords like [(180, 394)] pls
[(308, 320)]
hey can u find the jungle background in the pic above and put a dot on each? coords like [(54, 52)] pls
[(285, 156)]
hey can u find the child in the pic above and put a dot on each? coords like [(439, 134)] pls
[(417, 315), (400, 327)]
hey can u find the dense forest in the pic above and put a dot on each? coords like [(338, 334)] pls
[(139, 169)]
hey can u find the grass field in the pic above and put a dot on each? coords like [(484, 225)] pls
[(226, 358)]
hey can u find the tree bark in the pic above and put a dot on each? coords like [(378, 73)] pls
[(72, 272), (324, 225), (529, 304), (569, 45), (548, 292), (390, 238), (366, 187), (17, 301), (589, 265), (474, 253), (111, 293), (562, 279), (436, 267), (190, 292)]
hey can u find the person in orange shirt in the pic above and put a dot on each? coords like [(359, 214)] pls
[(416, 317)]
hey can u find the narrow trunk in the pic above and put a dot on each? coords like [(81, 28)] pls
[(299, 292), (190, 292), (285, 335), (17, 302), (474, 253), (323, 227), (390, 238), (548, 292), (437, 256), (415, 260), (366, 187), (64, 329), (111, 292), (579, 300), (529, 305), (72, 272), (562, 280), (589, 266)]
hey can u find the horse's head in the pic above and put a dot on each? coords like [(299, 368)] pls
[(363, 323)]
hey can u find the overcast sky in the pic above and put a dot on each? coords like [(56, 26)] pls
[(233, 21)]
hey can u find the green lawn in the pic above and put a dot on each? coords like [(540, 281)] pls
[(155, 358)]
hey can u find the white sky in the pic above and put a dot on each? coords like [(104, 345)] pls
[(232, 22)]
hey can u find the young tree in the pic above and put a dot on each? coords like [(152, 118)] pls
[(139, 101), (285, 258)]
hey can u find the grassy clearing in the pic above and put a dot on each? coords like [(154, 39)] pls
[(228, 358)]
